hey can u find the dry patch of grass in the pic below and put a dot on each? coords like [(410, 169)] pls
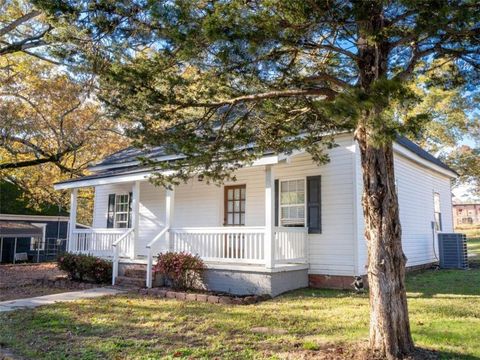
[(305, 324)]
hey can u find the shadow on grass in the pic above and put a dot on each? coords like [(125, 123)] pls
[(451, 355), (445, 283)]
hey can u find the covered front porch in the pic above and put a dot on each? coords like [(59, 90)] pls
[(160, 220)]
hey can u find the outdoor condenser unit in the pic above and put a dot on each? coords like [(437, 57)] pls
[(453, 251)]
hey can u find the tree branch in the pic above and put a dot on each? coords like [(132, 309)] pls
[(25, 44), (333, 48), (328, 93), (14, 24), (328, 78)]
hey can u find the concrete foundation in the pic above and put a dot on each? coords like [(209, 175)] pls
[(242, 282), (346, 282)]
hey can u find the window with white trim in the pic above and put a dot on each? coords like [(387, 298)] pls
[(122, 209), (38, 243), (292, 203), (437, 211)]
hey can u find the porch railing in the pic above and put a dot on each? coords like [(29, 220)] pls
[(241, 244), (291, 245), (222, 244), (99, 242), (123, 243)]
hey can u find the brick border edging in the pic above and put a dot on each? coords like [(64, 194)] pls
[(210, 298), (65, 284)]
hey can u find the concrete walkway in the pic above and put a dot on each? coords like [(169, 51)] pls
[(12, 305)]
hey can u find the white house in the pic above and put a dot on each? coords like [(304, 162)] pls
[(285, 223)]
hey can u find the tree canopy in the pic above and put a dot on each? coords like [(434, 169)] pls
[(207, 79), (51, 124), (223, 82)]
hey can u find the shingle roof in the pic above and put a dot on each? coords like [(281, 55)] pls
[(131, 154), (410, 145), (19, 229), (126, 170)]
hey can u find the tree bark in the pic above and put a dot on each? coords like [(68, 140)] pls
[(389, 324)]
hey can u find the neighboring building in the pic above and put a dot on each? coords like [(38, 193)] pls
[(466, 214), (33, 238), (283, 224)]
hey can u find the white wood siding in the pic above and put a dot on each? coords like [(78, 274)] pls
[(198, 204), (415, 185), (332, 251), (340, 249)]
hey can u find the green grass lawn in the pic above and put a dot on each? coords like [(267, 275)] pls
[(444, 313)]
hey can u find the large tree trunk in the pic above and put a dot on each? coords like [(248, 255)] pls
[(389, 325)]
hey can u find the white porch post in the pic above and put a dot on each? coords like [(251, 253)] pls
[(169, 208), (135, 217), (269, 217), (73, 218)]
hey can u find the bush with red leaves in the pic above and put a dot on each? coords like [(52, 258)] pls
[(182, 270), (86, 268)]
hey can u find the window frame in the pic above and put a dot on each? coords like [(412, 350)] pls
[(115, 212), (35, 239), (282, 180), (438, 221), (226, 188)]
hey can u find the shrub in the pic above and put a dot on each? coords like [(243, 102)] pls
[(183, 270), (86, 268)]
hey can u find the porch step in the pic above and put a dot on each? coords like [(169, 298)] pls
[(128, 281), (136, 273)]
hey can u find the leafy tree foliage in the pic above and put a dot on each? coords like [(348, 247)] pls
[(51, 128), (208, 79)]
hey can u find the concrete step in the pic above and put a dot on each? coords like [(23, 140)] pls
[(136, 273), (130, 281)]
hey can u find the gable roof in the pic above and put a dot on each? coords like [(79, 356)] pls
[(129, 156), (410, 145), (125, 163)]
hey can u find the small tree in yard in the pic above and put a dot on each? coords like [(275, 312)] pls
[(207, 79)]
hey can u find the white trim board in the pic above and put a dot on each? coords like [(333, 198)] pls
[(143, 176), (15, 217)]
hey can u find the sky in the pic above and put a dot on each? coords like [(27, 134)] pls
[(464, 192)]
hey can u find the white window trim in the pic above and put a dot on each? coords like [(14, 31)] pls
[(43, 226), (115, 212), (280, 180), (439, 226)]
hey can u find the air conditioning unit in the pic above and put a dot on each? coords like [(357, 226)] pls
[(453, 251)]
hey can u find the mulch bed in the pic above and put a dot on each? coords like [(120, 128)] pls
[(30, 280), (27, 274)]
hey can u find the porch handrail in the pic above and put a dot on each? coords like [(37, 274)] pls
[(116, 255), (150, 256), (220, 230), (100, 230)]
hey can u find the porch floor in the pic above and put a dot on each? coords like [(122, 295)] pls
[(231, 266)]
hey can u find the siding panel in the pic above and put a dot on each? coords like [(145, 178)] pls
[(415, 186), (198, 204)]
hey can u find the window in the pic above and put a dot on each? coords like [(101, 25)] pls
[(38, 243), (292, 203), (437, 212), (122, 209), (235, 205)]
